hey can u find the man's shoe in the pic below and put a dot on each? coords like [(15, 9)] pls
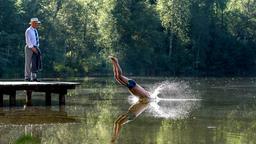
[(36, 80), (27, 79)]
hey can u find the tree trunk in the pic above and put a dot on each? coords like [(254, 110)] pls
[(170, 43)]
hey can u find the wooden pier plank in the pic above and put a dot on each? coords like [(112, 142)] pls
[(28, 98), (62, 97), (12, 98), (36, 85), (48, 99), (1, 99)]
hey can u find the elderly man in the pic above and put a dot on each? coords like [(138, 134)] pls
[(32, 51)]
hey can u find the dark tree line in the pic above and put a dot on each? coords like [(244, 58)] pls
[(158, 38)]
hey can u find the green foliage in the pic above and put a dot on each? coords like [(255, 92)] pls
[(141, 36), (27, 139), (175, 15), (164, 37), (10, 38)]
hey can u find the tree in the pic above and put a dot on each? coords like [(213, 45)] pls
[(10, 39), (175, 17), (140, 35)]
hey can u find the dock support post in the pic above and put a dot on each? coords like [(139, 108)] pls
[(48, 100), (1, 99), (62, 97), (12, 98), (28, 98)]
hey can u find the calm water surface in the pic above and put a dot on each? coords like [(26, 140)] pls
[(190, 111)]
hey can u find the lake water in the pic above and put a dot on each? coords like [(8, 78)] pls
[(187, 111)]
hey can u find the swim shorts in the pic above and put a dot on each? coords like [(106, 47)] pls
[(131, 84)]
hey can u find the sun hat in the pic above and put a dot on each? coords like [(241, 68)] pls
[(34, 19)]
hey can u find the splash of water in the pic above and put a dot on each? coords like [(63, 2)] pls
[(173, 100)]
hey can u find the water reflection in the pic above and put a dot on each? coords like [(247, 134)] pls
[(31, 122), (169, 100), (134, 111), (34, 115), (224, 116)]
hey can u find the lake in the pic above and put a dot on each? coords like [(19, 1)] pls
[(184, 111)]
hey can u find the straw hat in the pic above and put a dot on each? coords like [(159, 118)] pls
[(34, 19)]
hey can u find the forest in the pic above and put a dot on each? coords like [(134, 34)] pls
[(179, 38)]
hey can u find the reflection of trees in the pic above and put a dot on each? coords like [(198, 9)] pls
[(234, 124), (96, 122), (216, 122), (241, 124), (34, 115)]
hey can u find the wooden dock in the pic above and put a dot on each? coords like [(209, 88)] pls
[(10, 88)]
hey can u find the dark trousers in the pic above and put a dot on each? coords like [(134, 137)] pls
[(36, 62)]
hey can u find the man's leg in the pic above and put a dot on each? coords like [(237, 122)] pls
[(34, 67), (28, 57)]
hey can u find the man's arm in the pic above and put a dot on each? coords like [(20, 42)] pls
[(29, 41)]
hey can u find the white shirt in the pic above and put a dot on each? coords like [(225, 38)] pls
[(30, 36)]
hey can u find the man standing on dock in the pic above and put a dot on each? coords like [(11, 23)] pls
[(32, 51)]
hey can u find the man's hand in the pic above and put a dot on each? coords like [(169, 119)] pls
[(113, 140), (34, 50)]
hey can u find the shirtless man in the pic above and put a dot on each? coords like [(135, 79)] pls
[(133, 87), (136, 90)]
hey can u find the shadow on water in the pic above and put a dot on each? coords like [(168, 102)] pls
[(34, 115), (26, 125)]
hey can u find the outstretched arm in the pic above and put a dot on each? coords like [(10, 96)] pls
[(118, 72), (118, 125)]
